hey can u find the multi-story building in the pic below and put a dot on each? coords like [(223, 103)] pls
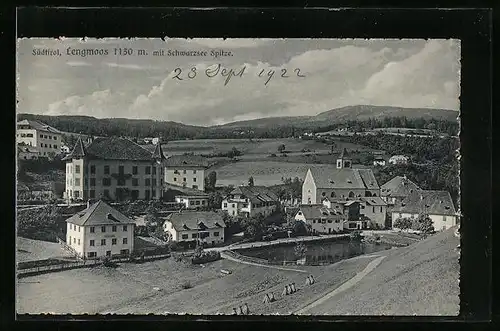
[(114, 169), (45, 138), (186, 171), (397, 189), (338, 183), (100, 230), (204, 227), (249, 201), (321, 219)]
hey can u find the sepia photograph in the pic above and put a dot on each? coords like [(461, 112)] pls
[(214, 176)]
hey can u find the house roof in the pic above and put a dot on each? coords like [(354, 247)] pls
[(256, 194), (196, 220), (39, 126), (27, 149), (344, 154), (186, 161), (319, 211), (158, 152), (99, 213), (184, 191), (430, 202), (110, 148), (328, 177), (373, 201), (399, 186)]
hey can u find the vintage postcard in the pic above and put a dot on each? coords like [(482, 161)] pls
[(238, 176)]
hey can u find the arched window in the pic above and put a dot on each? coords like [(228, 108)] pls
[(374, 194), (333, 195), (351, 194), (368, 194)]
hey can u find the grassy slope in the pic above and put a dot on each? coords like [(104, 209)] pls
[(421, 279)]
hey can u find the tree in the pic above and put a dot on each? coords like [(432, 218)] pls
[(281, 148), (299, 228), (355, 235), (211, 180), (403, 223), (424, 224), (215, 200), (254, 227), (300, 250), (250, 181)]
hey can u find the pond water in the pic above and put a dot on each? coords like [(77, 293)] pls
[(317, 253)]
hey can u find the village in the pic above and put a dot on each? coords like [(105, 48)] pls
[(126, 201)]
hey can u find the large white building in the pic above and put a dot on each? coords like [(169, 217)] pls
[(114, 169), (249, 201), (205, 227), (186, 171), (100, 230), (438, 205), (46, 139)]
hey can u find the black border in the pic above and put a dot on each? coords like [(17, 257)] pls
[(472, 26)]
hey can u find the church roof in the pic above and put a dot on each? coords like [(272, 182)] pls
[(329, 177)]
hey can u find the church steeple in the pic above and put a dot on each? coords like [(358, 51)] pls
[(344, 161)]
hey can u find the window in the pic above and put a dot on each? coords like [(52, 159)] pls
[(113, 228), (106, 169), (225, 205), (50, 145), (55, 146), (195, 187), (154, 170), (184, 172), (124, 228), (92, 194), (184, 236), (147, 194), (77, 169), (92, 243), (78, 229), (337, 221), (184, 179), (380, 208), (103, 242), (106, 181), (373, 209), (233, 205), (147, 182), (197, 202), (77, 181), (194, 172), (154, 181), (125, 241), (92, 229), (113, 241), (175, 179), (70, 240), (124, 251), (216, 234), (135, 182), (154, 193), (106, 193), (194, 235), (77, 194), (329, 221), (203, 202), (92, 181), (91, 254), (134, 170), (148, 170), (121, 182), (314, 221), (103, 228), (78, 242), (245, 205), (121, 169)]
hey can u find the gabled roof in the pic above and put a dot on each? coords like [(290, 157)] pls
[(256, 194), (158, 152), (26, 149), (186, 161), (319, 211), (329, 177), (373, 201), (111, 148), (100, 213), (185, 191), (344, 154), (399, 186), (196, 220), (430, 202), (39, 126)]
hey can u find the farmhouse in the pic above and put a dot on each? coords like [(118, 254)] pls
[(321, 219), (186, 171), (397, 189), (374, 209), (190, 198), (205, 227), (361, 213), (100, 230), (398, 159), (437, 204), (45, 138), (339, 183), (115, 169), (249, 201)]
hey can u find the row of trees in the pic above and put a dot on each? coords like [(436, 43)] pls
[(423, 223)]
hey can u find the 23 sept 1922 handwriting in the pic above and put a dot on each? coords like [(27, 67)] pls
[(216, 70)]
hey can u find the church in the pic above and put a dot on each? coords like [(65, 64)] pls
[(339, 182)]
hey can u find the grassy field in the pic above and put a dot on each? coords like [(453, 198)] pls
[(32, 250)]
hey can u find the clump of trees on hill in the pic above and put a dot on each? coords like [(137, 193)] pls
[(40, 223)]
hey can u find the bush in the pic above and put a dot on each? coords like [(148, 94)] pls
[(205, 257), (186, 285), (355, 236)]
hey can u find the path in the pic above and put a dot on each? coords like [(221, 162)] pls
[(345, 286), (225, 256)]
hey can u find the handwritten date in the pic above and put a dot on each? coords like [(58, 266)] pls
[(218, 70)]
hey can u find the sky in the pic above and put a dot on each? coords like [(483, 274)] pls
[(336, 73)]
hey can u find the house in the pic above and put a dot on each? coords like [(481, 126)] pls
[(361, 213), (397, 189), (205, 227), (100, 230), (186, 171), (321, 219), (398, 159), (338, 183), (249, 201), (190, 198), (379, 161), (437, 204), (26, 152), (114, 169), (45, 138), (374, 209)]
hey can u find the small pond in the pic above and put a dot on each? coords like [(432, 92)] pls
[(317, 253)]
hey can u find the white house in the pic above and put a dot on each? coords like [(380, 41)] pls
[(249, 201), (190, 198), (397, 189), (100, 230), (186, 171), (205, 227), (379, 162), (321, 219), (375, 211), (115, 169), (45, 138), (437, 204), (398, 159)]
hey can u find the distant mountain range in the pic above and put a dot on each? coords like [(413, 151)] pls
[(173, 130)]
